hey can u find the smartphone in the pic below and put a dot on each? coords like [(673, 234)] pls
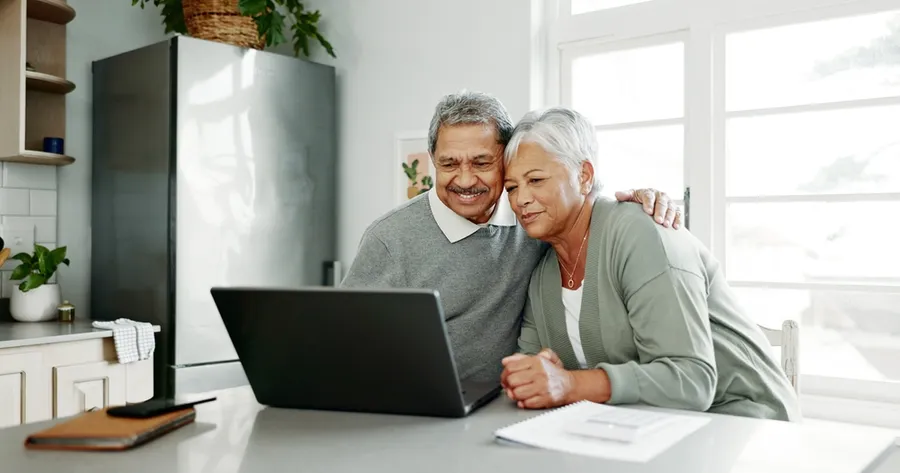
[(153, 407)]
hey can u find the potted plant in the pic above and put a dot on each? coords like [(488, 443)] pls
[(427, 183), (412, 172), (247, 23), (35, 299)]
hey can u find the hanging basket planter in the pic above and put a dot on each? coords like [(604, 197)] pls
[(221, 20), (255, 24)]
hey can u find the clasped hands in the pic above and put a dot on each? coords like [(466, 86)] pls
[(540, 381)]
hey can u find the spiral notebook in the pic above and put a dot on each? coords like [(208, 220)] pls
[(577, 429)]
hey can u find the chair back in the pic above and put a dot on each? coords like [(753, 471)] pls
[(788, 338)]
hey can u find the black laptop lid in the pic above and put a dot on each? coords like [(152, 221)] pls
[(344, 349)]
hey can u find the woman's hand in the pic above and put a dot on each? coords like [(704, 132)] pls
[(541, 381), (537, 382)]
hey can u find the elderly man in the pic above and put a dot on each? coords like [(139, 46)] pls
[(462, 239)]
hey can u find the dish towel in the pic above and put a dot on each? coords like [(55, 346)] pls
[(134, 340)]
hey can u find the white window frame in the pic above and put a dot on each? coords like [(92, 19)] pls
[(704, 24), (569, 53)]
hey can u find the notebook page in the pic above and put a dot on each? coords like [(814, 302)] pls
[(549, 431)]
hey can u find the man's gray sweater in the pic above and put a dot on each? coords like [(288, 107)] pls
[(482, 279)]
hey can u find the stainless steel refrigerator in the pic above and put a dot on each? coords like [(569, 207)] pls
[(213, 165)]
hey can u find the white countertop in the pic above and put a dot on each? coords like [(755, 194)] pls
[(22, 334), (234, 434)]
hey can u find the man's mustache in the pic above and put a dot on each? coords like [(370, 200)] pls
[(467, 190)]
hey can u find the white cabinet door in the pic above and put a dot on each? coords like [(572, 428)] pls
[(21, 380), (79, 388)]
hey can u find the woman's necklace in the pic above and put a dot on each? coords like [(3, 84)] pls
[(571, 282)]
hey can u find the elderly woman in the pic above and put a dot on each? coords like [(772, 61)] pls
[(621, 310)]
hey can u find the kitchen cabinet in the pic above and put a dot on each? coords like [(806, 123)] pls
[(50, 370)]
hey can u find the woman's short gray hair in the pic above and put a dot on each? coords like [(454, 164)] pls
[(562, 132), (470, 108)]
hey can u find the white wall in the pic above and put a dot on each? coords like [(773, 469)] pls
[(396, 58), (100, 29)]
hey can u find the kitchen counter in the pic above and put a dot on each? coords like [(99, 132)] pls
[(22, 334), (235, 434)]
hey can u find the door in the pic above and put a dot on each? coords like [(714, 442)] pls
[(82, 387)]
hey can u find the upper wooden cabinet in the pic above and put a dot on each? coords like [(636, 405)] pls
[(33, 102)]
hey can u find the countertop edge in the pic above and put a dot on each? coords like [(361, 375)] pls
[(93, 334)]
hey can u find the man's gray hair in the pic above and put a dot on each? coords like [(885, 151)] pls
[(470, 108), (563, 133)]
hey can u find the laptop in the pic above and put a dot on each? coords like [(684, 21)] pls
[(362, 350)]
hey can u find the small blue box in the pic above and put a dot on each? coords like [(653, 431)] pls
[(53, 145)]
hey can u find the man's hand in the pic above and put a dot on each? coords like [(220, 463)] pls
[(656, 203), (537, 382)]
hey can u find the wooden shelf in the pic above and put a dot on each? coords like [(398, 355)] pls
[(40, 157), (47, 83), (53, 11)]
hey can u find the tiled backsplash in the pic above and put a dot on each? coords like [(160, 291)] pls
[(27, 202)]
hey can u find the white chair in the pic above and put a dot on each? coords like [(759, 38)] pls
[(788, 338)]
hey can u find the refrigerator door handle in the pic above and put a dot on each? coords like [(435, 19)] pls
[(331, 273)]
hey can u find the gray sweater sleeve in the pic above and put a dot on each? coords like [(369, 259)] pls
[(529, 339), (374, 265)]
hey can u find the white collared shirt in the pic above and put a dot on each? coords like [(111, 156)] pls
[(456, 227)]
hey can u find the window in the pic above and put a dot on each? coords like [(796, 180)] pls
[(781, 119), (585, 6), (634, 95), (812, 159)]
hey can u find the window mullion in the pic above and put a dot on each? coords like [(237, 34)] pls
[(698, 149), (718, 203)]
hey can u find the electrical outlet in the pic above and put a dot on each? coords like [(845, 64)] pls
[(19, 239)]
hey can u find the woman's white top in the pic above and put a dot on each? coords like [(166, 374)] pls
[(572, 302)]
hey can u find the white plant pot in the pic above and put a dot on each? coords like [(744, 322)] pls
[(36, 305)]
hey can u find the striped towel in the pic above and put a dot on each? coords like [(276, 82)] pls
[(134, 340)]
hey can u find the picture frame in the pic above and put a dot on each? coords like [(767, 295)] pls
[(411, 155)]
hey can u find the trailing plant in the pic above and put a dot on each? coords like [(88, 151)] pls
[(37, 268), (270, 17)]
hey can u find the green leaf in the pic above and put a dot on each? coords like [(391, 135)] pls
[(263, 24), (23, 257), (58, 255), (252, 7), (45, 264), (41, 250), (173, 16), (20, 272), (276, 33), (301, 43), (325, 44), (34, 280)]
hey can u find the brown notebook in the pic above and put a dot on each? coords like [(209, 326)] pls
[(98, 431)]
